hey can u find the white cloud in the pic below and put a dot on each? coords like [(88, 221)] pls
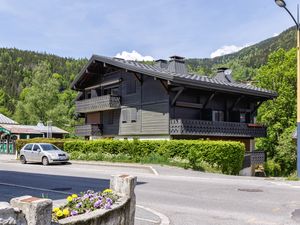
[(227, 49), (134, 55), (275, 34)]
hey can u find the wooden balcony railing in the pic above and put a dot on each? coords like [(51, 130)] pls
[(89, 130), (214, 128), (100, 103)]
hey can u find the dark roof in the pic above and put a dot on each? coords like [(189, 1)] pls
[(184, 78)]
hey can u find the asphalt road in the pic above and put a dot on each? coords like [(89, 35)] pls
[(184, 197)]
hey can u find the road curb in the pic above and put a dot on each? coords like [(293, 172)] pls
[(164, 220), (125, 165)]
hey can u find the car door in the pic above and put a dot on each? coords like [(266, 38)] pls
[(36, 152), (28, 152)]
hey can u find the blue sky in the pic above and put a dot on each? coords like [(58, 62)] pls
[(157, 28)]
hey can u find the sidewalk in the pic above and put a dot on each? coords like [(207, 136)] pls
[(7, 157)]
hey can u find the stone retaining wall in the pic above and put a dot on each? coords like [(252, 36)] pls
[(28, 210)]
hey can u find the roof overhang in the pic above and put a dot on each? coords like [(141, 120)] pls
[(214, 86)]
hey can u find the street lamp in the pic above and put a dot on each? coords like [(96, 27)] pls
[(282, 4)]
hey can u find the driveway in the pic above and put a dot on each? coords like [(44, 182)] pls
[(165, 194)]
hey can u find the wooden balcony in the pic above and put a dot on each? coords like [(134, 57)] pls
[(89, 130), (211, 128), (100, 103)]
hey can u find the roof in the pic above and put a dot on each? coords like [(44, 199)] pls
[(6, 120), (184, 78), (30, 129)]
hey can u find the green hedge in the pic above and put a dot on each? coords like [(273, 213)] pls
[(224, 155), (58, 142)]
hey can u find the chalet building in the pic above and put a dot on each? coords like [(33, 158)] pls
[(126, 99)]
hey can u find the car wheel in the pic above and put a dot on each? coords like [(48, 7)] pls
[(45, 161), (23, 159)]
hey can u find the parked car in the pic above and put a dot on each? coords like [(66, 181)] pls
[(44, 153)]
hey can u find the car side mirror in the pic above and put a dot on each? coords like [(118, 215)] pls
[(39, 150)]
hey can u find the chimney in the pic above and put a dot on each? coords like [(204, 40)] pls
[(161, 63), (224, 74), (177, 65)]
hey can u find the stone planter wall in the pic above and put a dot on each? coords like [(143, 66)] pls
[(28, 210)]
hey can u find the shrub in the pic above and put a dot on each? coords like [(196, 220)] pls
[(285, 151), (272, 168), (223, 155), (58, 142)]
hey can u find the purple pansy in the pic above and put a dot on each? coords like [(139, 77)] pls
[(74, 213), (97, 204)]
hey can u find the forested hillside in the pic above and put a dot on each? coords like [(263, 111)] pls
[(245, 62), (25, 75)]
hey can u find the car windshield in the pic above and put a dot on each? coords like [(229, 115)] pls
[(48, 147)]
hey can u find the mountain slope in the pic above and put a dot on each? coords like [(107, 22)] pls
[(245, 61)]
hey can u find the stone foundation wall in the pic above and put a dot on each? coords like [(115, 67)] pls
[(28, 210)]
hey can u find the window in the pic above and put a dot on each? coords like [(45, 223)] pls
[(88, 94), (28, 147), (110, 117), (129, 115), (131, 86), (242, 117), (114, 91), (49, 147), (35, 148), (133, 115), (217, 116)]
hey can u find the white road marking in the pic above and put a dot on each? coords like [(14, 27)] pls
[(164, 220), (147, 220), (34, 188), (153, 170)]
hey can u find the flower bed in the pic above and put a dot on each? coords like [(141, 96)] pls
[(84, 203)]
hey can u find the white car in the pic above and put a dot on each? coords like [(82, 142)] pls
[(43, 152)]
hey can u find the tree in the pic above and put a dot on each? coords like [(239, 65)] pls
[(279, 115), (38, 101)]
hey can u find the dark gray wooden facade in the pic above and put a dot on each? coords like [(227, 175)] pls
[(118, 100)]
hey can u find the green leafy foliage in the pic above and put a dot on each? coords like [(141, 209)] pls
[(36, 87), (58, 142), (224, 155), (279, 115)]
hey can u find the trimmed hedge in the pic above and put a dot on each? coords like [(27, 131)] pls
[(224, 155), (58, 142)]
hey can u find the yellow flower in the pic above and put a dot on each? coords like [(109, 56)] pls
[(107, 191), (55, 210), (66, 212), (69, 198), (74, 196), (59, 213)]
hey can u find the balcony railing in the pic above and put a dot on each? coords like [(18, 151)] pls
[(100, 103), (89, 130), (215, 128)]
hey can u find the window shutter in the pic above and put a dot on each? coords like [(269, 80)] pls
[(124, 116), (133, 115)]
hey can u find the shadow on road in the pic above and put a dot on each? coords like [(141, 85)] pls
[(14, 184)]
